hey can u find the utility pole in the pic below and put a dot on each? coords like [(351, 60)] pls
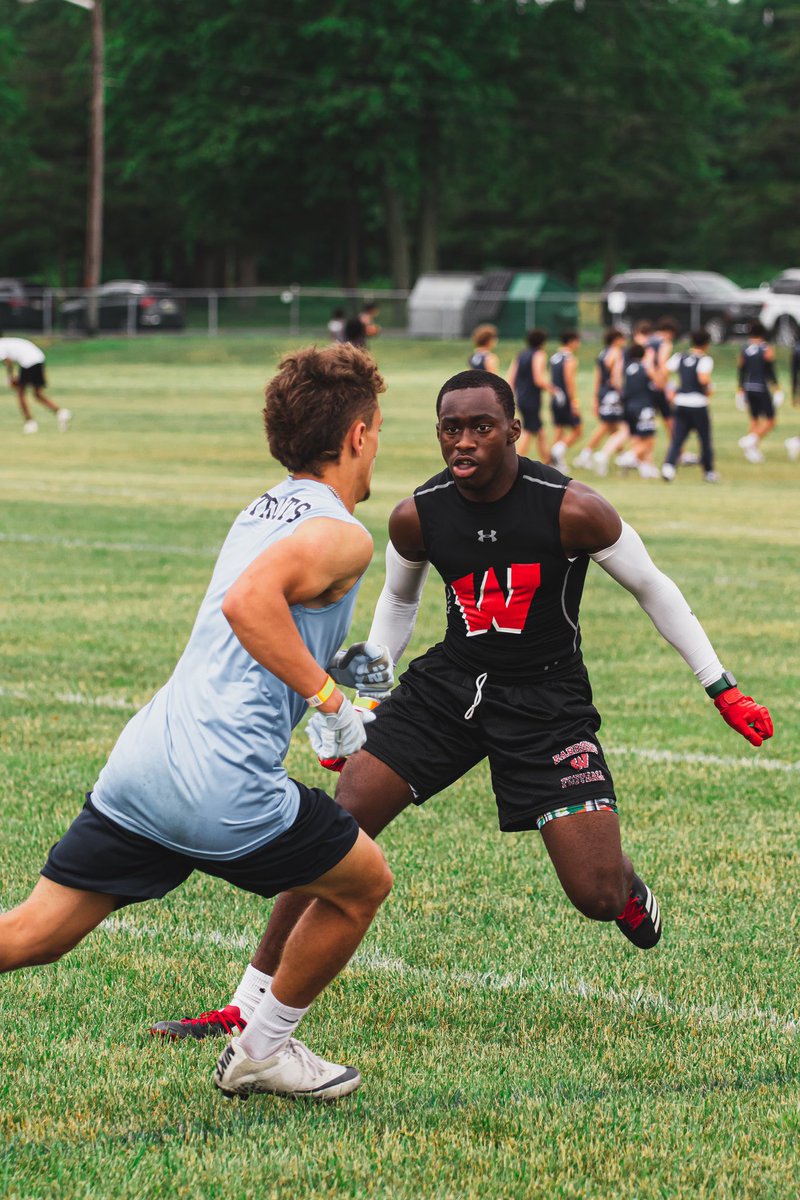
[(93, 261)]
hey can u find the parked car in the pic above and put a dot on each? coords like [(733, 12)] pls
[(690, 297), (126, 303), (781, 312), (21, 305)]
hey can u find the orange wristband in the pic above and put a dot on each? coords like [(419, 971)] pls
[(324, 693)]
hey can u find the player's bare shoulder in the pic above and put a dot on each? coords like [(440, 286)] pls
[(405, 531), (588, 522)]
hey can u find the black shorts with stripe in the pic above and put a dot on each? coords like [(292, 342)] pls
[(540, 738)]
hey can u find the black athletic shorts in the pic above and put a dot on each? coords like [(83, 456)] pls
[(32, 376), (540, 737), (641, 419), (531, 415), (564, 417), (760, 403), (98, 855)]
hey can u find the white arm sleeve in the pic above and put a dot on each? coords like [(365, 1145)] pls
[(396, 610), (628, 562)]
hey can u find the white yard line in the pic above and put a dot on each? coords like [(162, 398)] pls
[(117, 547), (758, 762), (720, 1012)]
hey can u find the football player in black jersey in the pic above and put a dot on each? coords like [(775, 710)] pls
[(512, 540), (758, 384), (483, 357)]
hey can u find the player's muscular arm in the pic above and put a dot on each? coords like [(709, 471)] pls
[(570, 371), (314, 566), (406, 571)]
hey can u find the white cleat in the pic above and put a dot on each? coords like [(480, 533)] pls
[(30, 427), (627, 461), (689, 459), (753, 455), (649, 470), (668, 472), (600, 463), (711, 477), (295, 1072), (584, 460), (749, 439), (63, 418), (792, 445)]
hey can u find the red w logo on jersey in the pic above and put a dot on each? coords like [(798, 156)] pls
[(490, 607), (580, 762)]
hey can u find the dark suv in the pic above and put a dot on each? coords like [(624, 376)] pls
[(127, 304), (692, 298), (21, 305)]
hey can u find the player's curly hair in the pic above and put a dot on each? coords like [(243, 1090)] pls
[(313, 400)]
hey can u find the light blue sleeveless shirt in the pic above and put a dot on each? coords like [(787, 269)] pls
[(200, 768)]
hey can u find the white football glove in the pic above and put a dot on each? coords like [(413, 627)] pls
[(740, 401), (365, 666), (335, 735)]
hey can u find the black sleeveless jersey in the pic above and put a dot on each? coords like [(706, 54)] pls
[(756, 369), (512, 594), (605, 371), (636, 387), (477, 360), (527, 393), (687, 373)]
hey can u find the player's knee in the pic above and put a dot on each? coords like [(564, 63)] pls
[(602, 901)]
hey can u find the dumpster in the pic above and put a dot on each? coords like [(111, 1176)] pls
[(538, 300), (437, 302)]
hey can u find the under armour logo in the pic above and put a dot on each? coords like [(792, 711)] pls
[(491, 536)]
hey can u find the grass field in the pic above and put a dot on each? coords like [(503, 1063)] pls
[(509, 1047)]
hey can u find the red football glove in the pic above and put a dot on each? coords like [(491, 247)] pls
[(742, 713)]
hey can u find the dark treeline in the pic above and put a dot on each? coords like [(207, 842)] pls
[(353, 141)]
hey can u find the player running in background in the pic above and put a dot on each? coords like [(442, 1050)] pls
[(615, 447), (691, 412), (661, 344), (483, 357), (527, 378), (27, 360), (566, 410), (607, 400), (512, 540), (758, 384), (640, 413), (196, 780)]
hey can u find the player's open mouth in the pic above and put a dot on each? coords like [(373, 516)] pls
[(463, 466)]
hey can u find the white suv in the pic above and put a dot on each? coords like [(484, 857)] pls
[(780, 315)]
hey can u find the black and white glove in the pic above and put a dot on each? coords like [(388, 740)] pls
[(338, 734), (365, 666)]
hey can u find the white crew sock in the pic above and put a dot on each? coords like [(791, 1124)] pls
[(253, 987), (269, 1028)]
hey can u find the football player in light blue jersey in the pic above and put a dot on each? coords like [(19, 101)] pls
[(196, 780)]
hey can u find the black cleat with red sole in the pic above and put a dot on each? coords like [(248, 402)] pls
[(640, 920), (219, 1022)]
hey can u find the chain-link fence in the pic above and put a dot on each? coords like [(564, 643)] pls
[(298, 311)]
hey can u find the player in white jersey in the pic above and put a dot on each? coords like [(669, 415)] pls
[(196, 780), (24, 363)]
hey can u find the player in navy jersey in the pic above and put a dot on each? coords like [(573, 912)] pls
[(566, 410), (691, 405), (511, 540), (483, 357), (619, 445), (661, 344), (758, 384), (607, 396), (527, 377), (196, 780)]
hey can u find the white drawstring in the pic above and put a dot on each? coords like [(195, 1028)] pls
[(479, 682)]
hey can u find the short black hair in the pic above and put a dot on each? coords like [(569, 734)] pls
[(636, 352), (700, 336), (668, 323), (643, 327), (757, 329), (570, 335), (612, 335), (536, 338), (465, 380)]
